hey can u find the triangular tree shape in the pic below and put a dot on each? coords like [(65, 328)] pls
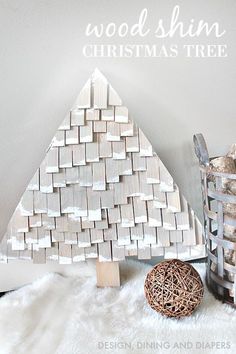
[(101, 192)]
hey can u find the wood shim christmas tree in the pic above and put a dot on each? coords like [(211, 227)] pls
[(101, 192)]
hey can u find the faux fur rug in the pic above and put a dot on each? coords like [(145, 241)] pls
[(69, 315)]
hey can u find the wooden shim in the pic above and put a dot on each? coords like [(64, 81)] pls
[(108, 114), (140, 210), (113, 131), (59, 179), (118, 252), (139, 163), (40, 202), (166, 180), (65, 125), (121, 114), (92, 154), (39, 255), (153, 174), (79, 155), (159, 200), (99, 127), (52, 253), (127, 215), (26, 204), (112, 172), (171, 252), (125, 166), (137, 232), (108, 274), (54, 204), (72, 136), (86, 223), (85, 175), (31, 236), (182, 218), (74, 223), (173, 200), (168, 220), (58, 139), (77, 253), (146, 190), (96, 236), (62, 224), (119, 152), (72, 175), (84, 238), (157, 251), (110, 233), (120, 194), (77, 117), (154, 215), (84, 98), (65, 253), (99, 176), (86, 132), (127, 129), (145, 146), (100, 90), (176, 236), (150, 236), (123, 234), (71, 238), (131, 250), (107, 199), (65, 157), (132, 187), (34, 183), (144, 250), (67, 200), (92, 114), (104, 251), (57, 236), (21, 223), (92, 251), (94, 206), (52, 163), (45, 179), (44, 238), (163, 238), (18, 241)]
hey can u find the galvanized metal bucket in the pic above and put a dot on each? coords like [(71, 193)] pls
[(221, 246)]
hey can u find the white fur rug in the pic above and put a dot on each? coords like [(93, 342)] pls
[(69, 315)]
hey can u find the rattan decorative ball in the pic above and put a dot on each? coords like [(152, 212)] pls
[(174, 288)]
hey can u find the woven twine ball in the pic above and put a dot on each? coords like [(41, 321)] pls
[(173, 288)]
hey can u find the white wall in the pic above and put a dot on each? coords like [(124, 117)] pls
[(42, 70)]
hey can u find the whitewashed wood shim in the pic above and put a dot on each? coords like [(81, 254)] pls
[(114, 99), (104, 251), (85, 176), (39, 255), (168, 219), (114, 215), (92, 154), (54, 204), (140, 210), (118, 149), (72, 175), (92, 114), (52, 164), (131, 250), (65, 157), (150, 236), (163, 238), (57, 236), (118, 251), (77, 254), (145, 146), (100, 90), (65, 256), (121, 114), (67, 200), (59, 179), (96, 236), (108, 115), (40, 203), (34, 183), (77, 117), (173, 200), (86, 133), (123, 235), (71, 238), (159, 198), (84, 98), (99, 127), (176, 236), (45, 179), (137, 232), (44, 238), (182, 218), (139, 163), (153, 174), (59, 139), (157, 251), (72, 136), (154, 215), (144, 250), (35, 221), (113, 131), (92, 251), (110, 233), (101, 183), (26, 204), (52, 253), (79, 155), (62, 224), (127, 215), (99, 176), (74, 223), (94, 206), (167, 183), (127, 129), (84, 238)]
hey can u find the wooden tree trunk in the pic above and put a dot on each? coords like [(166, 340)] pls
[(108, 274)]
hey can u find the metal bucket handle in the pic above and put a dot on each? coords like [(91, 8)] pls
[(201, 149)]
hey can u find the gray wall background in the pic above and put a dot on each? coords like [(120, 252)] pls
[(42, 70)]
